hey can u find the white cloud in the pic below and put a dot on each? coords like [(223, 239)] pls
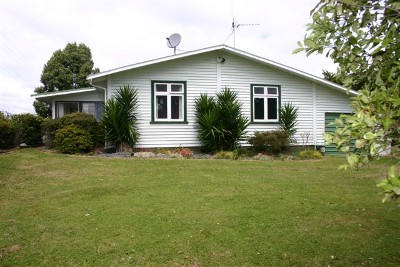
[(123, 32)]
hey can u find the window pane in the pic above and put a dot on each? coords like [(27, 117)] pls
[(259, 90), (89, 108), (272, 108), (161, 87), (258, 108), (272, 90), (176, 87), (162, 107), (176, 107), (67, 108)]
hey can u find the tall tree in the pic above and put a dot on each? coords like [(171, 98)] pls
[(363, 38), (66, 69)]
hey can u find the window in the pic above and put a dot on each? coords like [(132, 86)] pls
[(94, 108), (64, 108), (265, 102), (168, 101)]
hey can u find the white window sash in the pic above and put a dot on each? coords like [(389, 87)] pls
[(169, 95)]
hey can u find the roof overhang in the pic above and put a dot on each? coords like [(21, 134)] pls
[(47, 97), (238, 52)]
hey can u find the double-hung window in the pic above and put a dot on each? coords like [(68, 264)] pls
[(265, 102), (168, 101)]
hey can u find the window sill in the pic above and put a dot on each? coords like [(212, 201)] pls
[(169, 122), (264, 122)]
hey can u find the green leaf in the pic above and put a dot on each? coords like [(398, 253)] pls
[(298, 50), (369, 136), (360, 143)]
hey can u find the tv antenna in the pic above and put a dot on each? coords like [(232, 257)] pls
[(236, 26), (173, 41)]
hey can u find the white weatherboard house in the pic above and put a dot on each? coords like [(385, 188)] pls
[(168, 86)]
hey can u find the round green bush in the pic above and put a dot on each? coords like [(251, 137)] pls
[(310, 154), (85, 122), (81, 120), (72, 140), (273, 142)]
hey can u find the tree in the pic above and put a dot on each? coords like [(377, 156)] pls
[(120, 118), (66, 69), (362, 37)]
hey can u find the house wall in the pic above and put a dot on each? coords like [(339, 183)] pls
[(204, 74)]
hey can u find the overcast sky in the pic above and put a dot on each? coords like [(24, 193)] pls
[(124, 32)]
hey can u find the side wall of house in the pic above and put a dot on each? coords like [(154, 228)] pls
[(204, 74)]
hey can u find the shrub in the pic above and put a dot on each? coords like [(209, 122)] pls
[(7, 132), (29, 129), (120, 118), (71, 140), (235, 154), (49, 128), (274, 142), (85, 122), (81, 120), (219, 121), (310, 154)]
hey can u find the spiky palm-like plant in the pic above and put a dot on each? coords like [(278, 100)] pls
[(288, 114), (220, 123), (120, 118)]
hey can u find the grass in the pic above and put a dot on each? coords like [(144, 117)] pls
[(59, 210)]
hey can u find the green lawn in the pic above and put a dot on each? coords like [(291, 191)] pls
[(59, 210)]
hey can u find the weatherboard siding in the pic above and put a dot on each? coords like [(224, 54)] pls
[(203, 74)]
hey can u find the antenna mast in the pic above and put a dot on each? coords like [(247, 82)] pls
[(235, 26)]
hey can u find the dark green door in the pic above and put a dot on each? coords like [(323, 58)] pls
[(330, 118)]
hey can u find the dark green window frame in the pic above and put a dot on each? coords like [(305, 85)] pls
[(154, 120), (265, 96)]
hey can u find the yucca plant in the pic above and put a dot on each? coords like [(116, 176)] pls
[(288, 114), (120, 118), (220, 123)]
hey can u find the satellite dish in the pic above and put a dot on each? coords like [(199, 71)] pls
[(173, 41)]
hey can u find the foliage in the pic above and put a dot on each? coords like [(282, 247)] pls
[(81, 120), (362, 38), (338, 78), (310, 154), (85, 122), (219, 121), (234, 155), (183, 151), (7, 132), (391, 185), (66, 69), (288, 114), (42, 109), (120, 118), (29, 129), (274, 142), (72, 140)]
